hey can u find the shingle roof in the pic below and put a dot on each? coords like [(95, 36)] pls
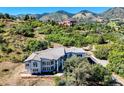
[(74, 50), (31, 56), (53, 53)]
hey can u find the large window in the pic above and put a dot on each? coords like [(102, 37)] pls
[(35, 70), (44, 68), (35, 64), (27, 65), (47, 68), (79, 55), (52, 68), (52, 62), (43, 63)]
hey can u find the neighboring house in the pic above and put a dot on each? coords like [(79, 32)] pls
[(67, 22), (51, 60)]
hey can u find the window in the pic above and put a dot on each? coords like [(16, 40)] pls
[(52, 62), (48, 68), (27, 65), (35, 64), (79, 55), (42, 63), (35, 70), (44, 68), (52, 68), (48, 63)]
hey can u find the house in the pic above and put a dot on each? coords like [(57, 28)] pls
[(67, 22), (51, 60)]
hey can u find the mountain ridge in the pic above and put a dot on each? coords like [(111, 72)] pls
[(83, 15)]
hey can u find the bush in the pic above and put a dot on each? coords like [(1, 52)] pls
[(25, 30), (4, 47), (116, 60), (59, 82), (1, 30), (101, 40), (79, 72), (36, 24), (2, 24), (1, 39), (56, 80), (102, 51), (35, 45), (101, 75)]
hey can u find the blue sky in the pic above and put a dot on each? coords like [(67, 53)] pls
[(40, 10)]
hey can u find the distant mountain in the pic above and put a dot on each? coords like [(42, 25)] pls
[(116, 12), (56, 16), (86, 16), (64, 12), (82, 16), (38, 16)]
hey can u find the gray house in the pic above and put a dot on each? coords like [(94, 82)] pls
[(51, 60)]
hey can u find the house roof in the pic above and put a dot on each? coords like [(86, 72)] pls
[(31, 56), (74, 50), (53, 53)]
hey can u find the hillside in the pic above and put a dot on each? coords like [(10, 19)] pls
[(86, 16), (116, 12), (56, 16)]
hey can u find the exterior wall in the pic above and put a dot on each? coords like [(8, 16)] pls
[(47, 65), (27, 66), (33, 66)]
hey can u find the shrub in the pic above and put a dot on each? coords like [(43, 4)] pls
[(116, 60), (35, 45), (79, 72), (101, 75), (1, 30), (1, 39), (24, 29), (102, 51), (36, 23), (2, 24)]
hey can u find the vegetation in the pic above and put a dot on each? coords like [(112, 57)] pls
[(35, 45), (79, 72), (20, 38), (116, 60), (24, 29), (59, 81), (102, 51)]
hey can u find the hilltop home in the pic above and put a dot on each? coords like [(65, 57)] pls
[(67, 22), (51, 60)]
